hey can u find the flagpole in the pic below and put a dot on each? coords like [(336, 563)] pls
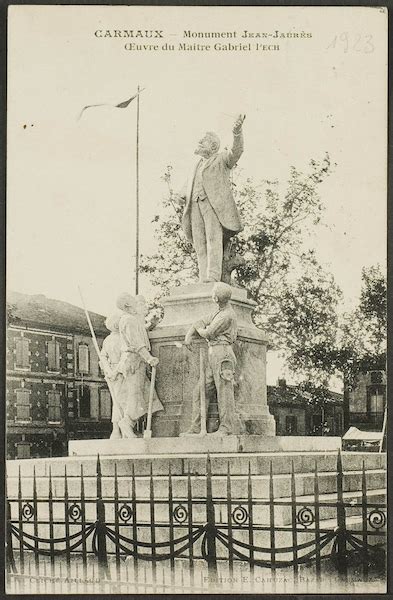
[(137, 199)]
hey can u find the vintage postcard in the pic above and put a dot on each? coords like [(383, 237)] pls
[(196, 300)]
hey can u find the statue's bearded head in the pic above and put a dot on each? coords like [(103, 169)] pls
[(208, 145), (127, 303)]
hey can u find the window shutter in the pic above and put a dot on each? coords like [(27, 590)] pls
[(83, 359), (22, 405), (22, 397), (23, 450), (26, 357), (94, 406), (22, 353), (19, 352), (54, 406), (376, 404), (105, 404), (57, 356), (53, 355)]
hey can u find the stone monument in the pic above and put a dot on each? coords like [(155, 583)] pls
[(210, 219), (178, 369)]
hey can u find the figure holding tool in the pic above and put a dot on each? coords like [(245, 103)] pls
[(220, 331), (109, 368), (135, 354)]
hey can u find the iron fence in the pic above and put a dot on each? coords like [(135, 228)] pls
[(48, 530)]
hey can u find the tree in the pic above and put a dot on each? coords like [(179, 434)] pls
[(308, 322), (362, 343), (174, 263), (373, 310), (296, 300), (356, 340)]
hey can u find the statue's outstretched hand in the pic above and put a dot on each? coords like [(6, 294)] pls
[(238, 124)]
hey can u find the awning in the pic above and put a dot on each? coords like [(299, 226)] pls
[(354, 433)]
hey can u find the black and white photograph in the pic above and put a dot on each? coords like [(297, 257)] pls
[(196, 300)]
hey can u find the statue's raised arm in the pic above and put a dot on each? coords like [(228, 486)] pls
[(210, 216), (238, 142)]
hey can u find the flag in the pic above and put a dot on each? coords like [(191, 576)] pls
[(120, 105)]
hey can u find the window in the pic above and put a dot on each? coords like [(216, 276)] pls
[(84, 402), (290, 425), (376, 406), (23, 406), (105, 404), (53, 355), (83, 359), (22, 360), (23, 450), (54, 406)]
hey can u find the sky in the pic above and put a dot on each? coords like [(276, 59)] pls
[(71, 182)]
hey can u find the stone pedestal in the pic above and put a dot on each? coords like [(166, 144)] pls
[(197, 446), (178, 371)]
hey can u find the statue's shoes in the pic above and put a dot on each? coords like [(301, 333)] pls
[(190, 433), (220, 433), (126, 429), (129, 434)]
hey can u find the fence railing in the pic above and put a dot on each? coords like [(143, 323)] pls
[(273, 532)]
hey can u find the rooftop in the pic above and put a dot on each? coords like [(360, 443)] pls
[(292, 394), (40, 311)]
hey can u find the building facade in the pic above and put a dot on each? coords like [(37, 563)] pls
[(296, 413), (55, 389), (366, 401)]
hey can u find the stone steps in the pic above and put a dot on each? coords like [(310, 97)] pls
[(257, 462), (304, 483), (352, 482)]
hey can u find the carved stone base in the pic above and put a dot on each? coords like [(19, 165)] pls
[(178, 371)]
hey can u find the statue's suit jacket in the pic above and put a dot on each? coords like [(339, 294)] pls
[(216, 181)]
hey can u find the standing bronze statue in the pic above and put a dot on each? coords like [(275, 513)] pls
[(210, 215)]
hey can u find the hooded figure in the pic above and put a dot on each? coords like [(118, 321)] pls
[(134, 355)]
